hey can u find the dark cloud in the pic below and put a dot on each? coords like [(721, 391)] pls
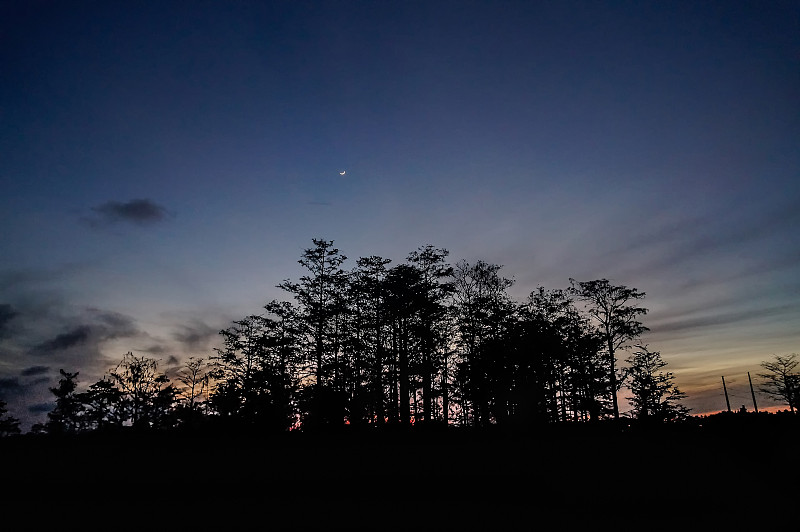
[(19, 393), (155, 349), (7, 313), (113, 325), (40, 408), (34, 370), (136, 211), (9, 386), (84, 339), (66, 337), (74, 337), (37, 382), (195, 335)]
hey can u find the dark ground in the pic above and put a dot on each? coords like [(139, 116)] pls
[(566, 478)]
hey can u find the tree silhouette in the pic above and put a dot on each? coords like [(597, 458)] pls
[(484, 315), (147, 395), (319, 295), (254, 370), (616, 320), (782, 380), (368, 296), (430, 323), (404, 300), (103, 405), (655, 397), (283, 343), (566, 369), (194, 376), (411, 344), (383, 382), (65, 418), (8, 424)]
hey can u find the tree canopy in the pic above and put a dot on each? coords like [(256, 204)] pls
[(421, 342)]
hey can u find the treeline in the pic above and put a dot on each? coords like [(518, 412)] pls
[(420, 342)]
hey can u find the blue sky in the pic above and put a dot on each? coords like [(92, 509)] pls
[(164, 164)]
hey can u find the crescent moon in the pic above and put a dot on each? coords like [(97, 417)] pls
[(342, 172)]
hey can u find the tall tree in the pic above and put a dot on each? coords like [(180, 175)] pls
[(369, 299), (283, 333), (319, 296), (434, 288), (485, 312), (404, 299), (255, 369), (237, 367), (616, 316), (566, 372), (655, 397), (781, 380), (65, 418)]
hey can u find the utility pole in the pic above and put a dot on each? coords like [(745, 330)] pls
[(755, 406), (727, 402)]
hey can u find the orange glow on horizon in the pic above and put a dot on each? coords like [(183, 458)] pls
[(769, 409)]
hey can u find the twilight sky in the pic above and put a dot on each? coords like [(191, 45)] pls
[(164, 164)]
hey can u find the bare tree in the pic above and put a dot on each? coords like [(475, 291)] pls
[(195, 379), (782, 381)]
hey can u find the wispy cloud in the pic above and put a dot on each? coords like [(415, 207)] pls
[(195, 335), (714, 318), (60, 342), (136, 211), (34, 370), (667, 248), (9, 387), (57, 336), (42, 330)]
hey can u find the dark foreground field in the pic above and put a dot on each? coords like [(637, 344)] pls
[(575, 478)]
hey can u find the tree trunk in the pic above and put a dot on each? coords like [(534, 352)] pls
[(427, 386), (405, 407), (613, 375), (445, 401)]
